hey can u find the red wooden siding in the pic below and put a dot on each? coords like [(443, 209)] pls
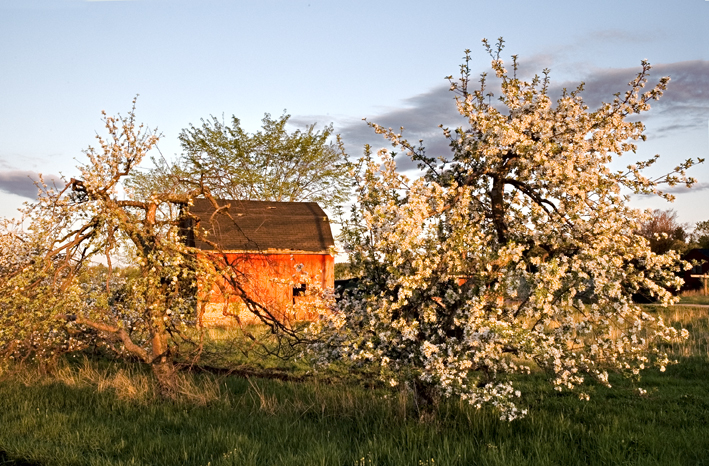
[(269, 279)]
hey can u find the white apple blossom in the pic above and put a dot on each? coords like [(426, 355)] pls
[(517, 249), (52, 299)]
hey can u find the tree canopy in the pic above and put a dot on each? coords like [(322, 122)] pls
[(700, 235), (271, 164), (516, 250), (664, 232)]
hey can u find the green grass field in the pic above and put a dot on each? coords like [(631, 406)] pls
[(694, 298), (99, 413)]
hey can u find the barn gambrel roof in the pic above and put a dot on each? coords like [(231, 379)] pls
[(263, 226)]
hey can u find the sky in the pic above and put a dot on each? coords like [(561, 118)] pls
[(64, 61)]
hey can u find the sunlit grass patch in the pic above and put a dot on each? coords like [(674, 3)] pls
[(272, 422), (94, 411), (694, 297), (695, 320), (127, 382)]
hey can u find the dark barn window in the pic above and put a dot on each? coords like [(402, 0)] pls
[(298, 291)]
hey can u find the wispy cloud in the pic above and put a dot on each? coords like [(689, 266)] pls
[(22, 182), (420, 116), (676, 189), (684, 106), (681, 188)]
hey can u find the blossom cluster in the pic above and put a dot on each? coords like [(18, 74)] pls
[(90, 264), (516, 252)]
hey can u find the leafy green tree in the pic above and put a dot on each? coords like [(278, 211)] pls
[(343, 271), (271, 164), (700, 235)]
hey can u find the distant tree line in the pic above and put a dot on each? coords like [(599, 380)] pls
[(665, 233)]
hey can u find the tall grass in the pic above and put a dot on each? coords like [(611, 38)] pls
[(90, 412), (696, 321), (694, 297), (269, 422), (126, 382)]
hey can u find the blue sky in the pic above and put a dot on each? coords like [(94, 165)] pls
[(63, 61)]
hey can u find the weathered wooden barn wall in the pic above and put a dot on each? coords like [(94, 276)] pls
[(264, 241), (270, 280)]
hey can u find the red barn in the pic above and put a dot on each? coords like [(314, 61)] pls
[(266, 241)]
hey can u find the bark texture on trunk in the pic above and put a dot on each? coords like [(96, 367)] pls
[(164, 371), (163, 368), (497, 203)]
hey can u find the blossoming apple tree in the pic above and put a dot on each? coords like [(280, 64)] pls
[(516, 250), (53, 300)]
